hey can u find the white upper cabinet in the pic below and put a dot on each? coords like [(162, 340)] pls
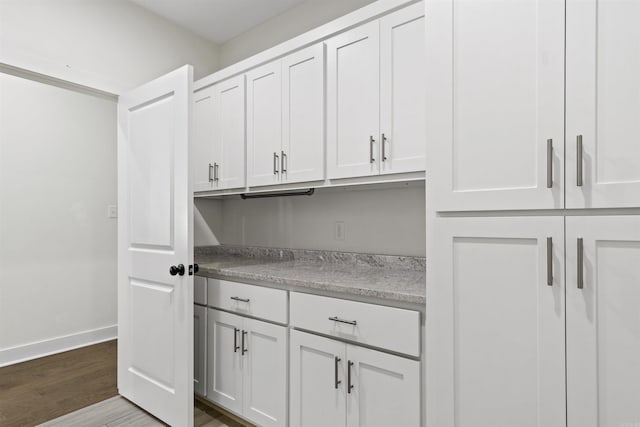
[(229, 167), (285, 101), (402, 91), (495, 103), (302, 154), (353, 94), (218, 143), (603, 321), (603, 103), (376, 97), (264, 124), (204, 133)]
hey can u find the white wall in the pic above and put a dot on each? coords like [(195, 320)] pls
[(278, 29), (57, 246), (112, 45), (389, 221)]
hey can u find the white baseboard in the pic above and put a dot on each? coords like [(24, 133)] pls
[(22, 353)]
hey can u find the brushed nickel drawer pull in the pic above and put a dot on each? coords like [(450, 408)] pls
[(371, 142), (211, 169), (579, 154), (349, 385), (550, 261), (283, 162), (240, 299), (235, 340), (349, 322), (384, 149), (275, 163), (549, 163), (244, 350), (336, 381), (580, 263)]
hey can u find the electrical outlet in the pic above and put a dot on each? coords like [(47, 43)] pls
[(339, 235), (112, 211)]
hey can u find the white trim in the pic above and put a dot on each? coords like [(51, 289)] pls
[(323, 32), (22, 353)]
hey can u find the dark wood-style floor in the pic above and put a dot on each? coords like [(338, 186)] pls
[(43, 389)]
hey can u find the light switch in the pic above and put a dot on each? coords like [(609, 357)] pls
[(112, 211)]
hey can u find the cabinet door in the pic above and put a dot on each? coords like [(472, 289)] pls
[(353, 102), (264, 124), (203, 142), (230, 134), (495, 96), (386, 389), (303, 115), (603, 103), (199, 350), (318, 381), (224, 360), (603, 321), (265, 373), (402, 91), (495, 323)]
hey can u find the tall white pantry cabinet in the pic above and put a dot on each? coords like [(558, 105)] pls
[(533, 213)]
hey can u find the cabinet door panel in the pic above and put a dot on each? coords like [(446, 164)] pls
[(353, 95), (265, 373), (603, 102), (316, 399), (199, 351), (402, 90), (224, 364), (230, 138), (203, 143), (603, 322), (264, 124), (495, 85), (303, 115), (386, 389), (495, 347)]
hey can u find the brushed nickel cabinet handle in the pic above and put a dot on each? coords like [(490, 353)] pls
[(240, 299), (283, 160), (211, 179), (371, 142), (549, 163), (336, 381), (275, 163), (349, 322), (235, 340), (550, 261), (349, 385), (384, 150), (580, 263), (244, 350), (579, 154), (215, 172)]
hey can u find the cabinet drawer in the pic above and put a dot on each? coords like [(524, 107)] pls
[(200, 290), (251, 300), (384, 327)]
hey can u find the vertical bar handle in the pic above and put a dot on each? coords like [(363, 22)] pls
[(244, 350), (211, 179), (550, 261), (384, 149), (579, 154), (371, 142), (349, 385), (283, 162), (549, 163), (235, 340), (580, 263), (275, 163), (336, 381), (215, 171)]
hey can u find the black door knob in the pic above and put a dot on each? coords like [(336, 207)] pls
[(179, 269)]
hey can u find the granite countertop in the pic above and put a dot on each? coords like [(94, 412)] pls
[(385, 277)]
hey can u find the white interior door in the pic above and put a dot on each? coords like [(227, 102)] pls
[(264, 124), (155, 232), (203, 141), (303, 115), (495, 97), (230, 133), (318, 369), (495, 323), (386, 389), (603, 103), (353, 99), (603, 321), (403, 62)]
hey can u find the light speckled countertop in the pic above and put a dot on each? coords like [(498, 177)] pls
[(384, 277)]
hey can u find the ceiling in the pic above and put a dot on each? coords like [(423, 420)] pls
[(218, 20)]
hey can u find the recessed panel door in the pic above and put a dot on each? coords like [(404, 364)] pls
[(203, 142), (155, 247), (230, 134)]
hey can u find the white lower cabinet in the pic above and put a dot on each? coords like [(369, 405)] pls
[(337, 384), (247, 367), (200, 349)]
